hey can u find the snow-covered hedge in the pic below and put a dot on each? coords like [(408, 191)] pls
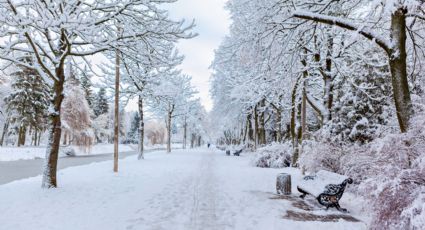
[(273, 156)]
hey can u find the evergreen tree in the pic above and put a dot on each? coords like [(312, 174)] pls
[(101, 104), (362, 101), (28, 103), (87, 87), (133, 134)]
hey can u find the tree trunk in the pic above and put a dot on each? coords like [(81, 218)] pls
[(397, 62), (35, 137), (18, 143), (64, 138), (51, 161), (328, 81), (5, 130), (250, 129), (304, 113), (262, 129), (293, 112), (116, 109), (255, 127), (169, 132), (22, 135), (298, 138), (199, 141), (192, 141), (141, 130), (245, 132), (39, 138), (279, 125), (184, 133)]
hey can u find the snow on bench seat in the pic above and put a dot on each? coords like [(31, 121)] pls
[(315, 184)]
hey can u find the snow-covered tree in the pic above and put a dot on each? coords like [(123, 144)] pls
[(362, 99), (101, 104), (171, 97), (133, 133), (27, 104), (142, 74), (395, 15), (75, 116), (52, 32), (5, 90), (87, 86)]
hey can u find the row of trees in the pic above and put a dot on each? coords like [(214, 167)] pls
[(290, 68), (339, 83), (42, 39)]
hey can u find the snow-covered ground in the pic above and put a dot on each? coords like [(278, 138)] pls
[(27, 153), (191, 189)]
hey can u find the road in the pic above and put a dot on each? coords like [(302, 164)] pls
[(16, 170)]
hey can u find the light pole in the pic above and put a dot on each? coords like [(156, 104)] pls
[(117, 98)]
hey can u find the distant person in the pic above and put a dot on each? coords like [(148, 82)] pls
[(208, 145)]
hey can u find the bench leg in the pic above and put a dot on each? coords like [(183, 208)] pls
[(303, 193), (339, 208)]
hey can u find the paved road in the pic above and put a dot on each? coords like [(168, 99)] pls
[(16, 170)]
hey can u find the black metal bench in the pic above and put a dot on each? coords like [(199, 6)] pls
[(327, 187), (237, 153)]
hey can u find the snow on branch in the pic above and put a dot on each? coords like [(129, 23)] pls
[(345, 24), (317, 106)]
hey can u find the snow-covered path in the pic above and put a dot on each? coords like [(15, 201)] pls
[(196, 189)]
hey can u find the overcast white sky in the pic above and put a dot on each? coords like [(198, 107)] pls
[(212, 22)]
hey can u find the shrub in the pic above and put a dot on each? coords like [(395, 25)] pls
[(320, 155), (273, 156), (390, 172)]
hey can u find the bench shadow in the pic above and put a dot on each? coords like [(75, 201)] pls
[(306, 211), (303, 216)]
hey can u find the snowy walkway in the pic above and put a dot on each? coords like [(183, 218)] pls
[(198, 189)]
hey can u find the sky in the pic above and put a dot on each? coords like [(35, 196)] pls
[(212, 22)]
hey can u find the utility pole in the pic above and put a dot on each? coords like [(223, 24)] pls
[(116, 112)]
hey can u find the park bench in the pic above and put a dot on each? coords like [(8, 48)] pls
[(327, 187), (237, 152)]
